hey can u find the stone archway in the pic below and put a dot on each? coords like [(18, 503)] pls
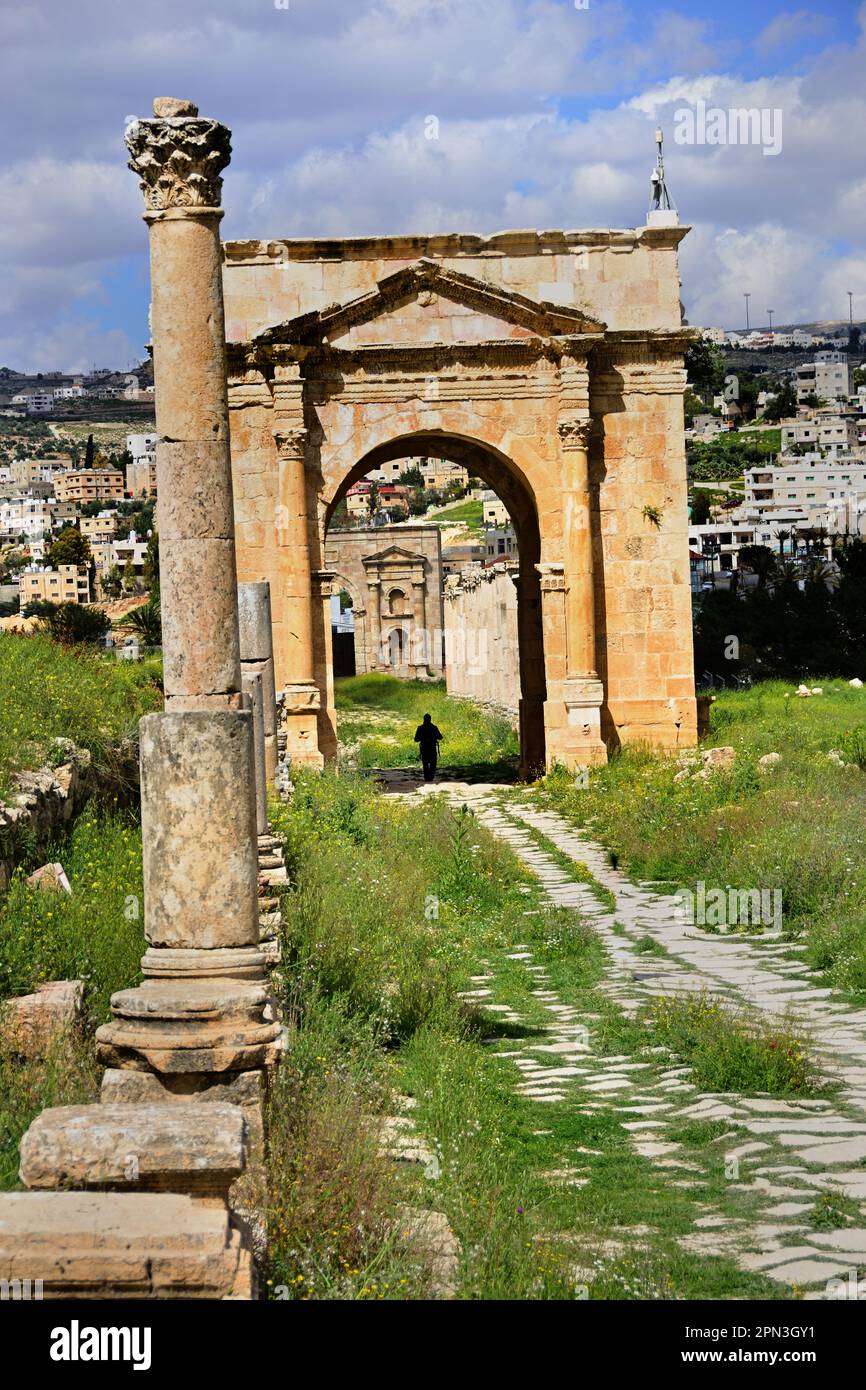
[(499, 473), (577, 411)]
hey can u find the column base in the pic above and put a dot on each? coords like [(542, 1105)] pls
[(187, 963), (300, 723), (191, 1025), (574, 726)]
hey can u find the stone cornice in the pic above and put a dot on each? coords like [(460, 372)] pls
[(410, 247), (179, 162)]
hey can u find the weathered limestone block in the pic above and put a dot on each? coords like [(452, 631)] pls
[(243, 1089), (199, 830), (124, 1245), (253, 693), (168, 1148), (32, 1023), (257, 657)]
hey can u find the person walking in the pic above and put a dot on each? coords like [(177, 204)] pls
[(428, 737)]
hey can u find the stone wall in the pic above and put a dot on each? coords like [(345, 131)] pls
[(481, 638)]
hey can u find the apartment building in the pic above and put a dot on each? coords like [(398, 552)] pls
[(824, 432), (24, 516), (495, 512), (66, 584), (89, 485), (500, 540), (141, 478), (99, 528), (828, 377)]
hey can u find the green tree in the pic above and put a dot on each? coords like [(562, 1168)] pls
[(146, 622), (701, 508), (783, 404), (760, 560), (130, 579), (705, 365), (70, 548), (112, 585)]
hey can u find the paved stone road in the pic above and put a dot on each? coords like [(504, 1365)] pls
[(783, 1152)]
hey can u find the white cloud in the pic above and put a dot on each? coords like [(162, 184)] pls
[(327, 102)]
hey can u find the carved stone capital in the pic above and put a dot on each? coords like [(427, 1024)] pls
[(323, 583), (552, 579), (574, 432), (291, 444), (178, 159)]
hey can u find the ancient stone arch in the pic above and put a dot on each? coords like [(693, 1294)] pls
[(551, 365)]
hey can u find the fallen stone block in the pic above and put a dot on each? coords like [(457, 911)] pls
[(152, 1148), (51, 878), (124, 1245), (31, 1023)]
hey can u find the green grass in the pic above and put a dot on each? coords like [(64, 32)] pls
[(797, 829), (51, 691), (377, 716), (469, 514), (68, 1075), (97, 933)]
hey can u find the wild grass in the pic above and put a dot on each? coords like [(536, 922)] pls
[(796, 828), (731, 1051), (377, 716), (68, 1075), (96, 934), (48, 691), (392, 910)]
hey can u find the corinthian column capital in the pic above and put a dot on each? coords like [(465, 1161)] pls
[(574, 432), (178, 157), (291, 443)]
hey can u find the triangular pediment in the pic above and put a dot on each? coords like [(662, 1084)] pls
[(428, 303), (393, 552)]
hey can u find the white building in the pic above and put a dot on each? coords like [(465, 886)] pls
[(24, 516)]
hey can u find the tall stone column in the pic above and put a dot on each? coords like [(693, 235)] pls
[(302, 697), (257, 658), (202, 1008), (582, 690)]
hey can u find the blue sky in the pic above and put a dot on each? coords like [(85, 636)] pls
[(546, 115)]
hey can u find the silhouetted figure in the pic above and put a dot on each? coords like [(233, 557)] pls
[(429, 738)]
